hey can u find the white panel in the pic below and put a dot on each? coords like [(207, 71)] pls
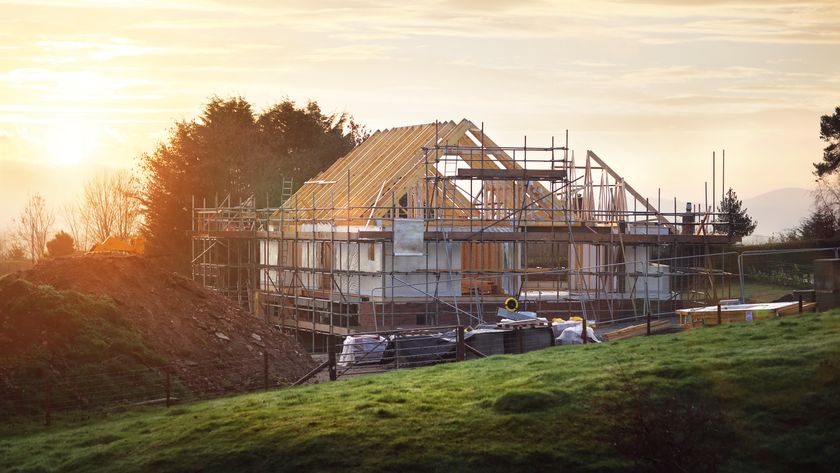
[(408, 236)]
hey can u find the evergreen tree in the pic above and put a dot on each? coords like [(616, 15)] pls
[(230, 150), (830, 133), (735, 221), (822, 224)]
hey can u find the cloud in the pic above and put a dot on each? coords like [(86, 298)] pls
[(687, 74), (350, 52), (95, 48)]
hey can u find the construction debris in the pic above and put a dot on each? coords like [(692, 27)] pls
[(724, 314)]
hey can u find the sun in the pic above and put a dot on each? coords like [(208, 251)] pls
[(71, 143)]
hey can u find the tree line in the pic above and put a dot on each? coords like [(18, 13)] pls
[(108, 206), (229, 149), (232, 150), (823, 223)]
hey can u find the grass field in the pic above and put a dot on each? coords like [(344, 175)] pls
[(741, 397), (762, 292)]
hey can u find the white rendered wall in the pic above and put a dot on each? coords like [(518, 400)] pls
[(355, 256)]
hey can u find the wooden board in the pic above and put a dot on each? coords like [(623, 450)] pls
[(547, 174), (522, 325), (691, 319), (636, 330)]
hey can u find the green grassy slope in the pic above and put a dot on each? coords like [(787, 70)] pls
[(48, 334), (741, 397)]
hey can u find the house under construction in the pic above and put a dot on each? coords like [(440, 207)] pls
[(436, 224)]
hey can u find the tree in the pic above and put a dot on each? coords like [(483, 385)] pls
[(300, 143), (15, 252), (830, 133), (72, 213), (109, 207), (61, 245), (822, 224), (231, 151), (734, 219), (33, 225)]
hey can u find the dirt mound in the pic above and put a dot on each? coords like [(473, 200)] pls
[(208, 340)]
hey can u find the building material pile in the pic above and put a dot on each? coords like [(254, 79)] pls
[(636, 330), (710, 315)]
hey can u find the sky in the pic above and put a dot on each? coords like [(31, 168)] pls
[(653, 87)]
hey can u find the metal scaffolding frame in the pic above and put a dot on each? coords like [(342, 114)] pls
[(487, 222)]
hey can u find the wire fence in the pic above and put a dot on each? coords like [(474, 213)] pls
[(36, 390), (377, 352), (43, 390), (47, 393)]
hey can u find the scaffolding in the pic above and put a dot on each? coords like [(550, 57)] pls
[(436, 224)]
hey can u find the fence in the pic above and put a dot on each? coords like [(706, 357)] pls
[(43, 393), (46, 393), (399, 349), (36, 391)]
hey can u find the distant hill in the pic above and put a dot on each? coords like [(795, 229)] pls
[(779, 209)]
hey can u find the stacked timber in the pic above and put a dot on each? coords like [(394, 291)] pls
[(636, 330), (507, 324)]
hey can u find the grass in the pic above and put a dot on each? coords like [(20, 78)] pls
[(741, 397), (762, 292), (49, 334)]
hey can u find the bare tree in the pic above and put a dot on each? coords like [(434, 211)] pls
[(110, 206), (33, 226), (827, 195), (72, 213), (4, 245)]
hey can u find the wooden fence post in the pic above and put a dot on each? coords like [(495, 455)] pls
[(265, 369), (647, 317), (800, 302), (584, 336), (168, 387), (47, 402), (720, 316), (331, 357), (459, 346)]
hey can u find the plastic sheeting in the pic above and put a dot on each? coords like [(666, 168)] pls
[(408, 237), (558, 327), (362, 349), (420, 350), (517, 315), (571, 335)]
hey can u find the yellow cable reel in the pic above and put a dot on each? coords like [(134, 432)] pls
[(511, 304)]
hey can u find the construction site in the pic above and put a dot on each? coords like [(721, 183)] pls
[(438, 225)]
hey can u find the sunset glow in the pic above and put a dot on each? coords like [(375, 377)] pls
[(652, 85), (71, 143)]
